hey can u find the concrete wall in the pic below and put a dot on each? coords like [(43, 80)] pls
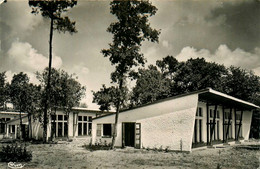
[(247, 118), (162, 124)]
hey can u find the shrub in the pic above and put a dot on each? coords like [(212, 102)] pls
[(98, 146), (15, 153)]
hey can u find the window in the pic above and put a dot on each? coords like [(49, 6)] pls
[(215, 131), (238, 118), (59, 125), (228, 126), (197, 136), (84, 125), (2, 124), (98, 129), (199, 112), (105, 130)]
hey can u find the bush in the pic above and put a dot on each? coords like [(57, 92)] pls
[(98, 146), (15, 153)]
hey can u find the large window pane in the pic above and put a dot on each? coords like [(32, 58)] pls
[(59, 129), (79, 129), (85, 128), (107, 130), (89, 128), (65, 129)]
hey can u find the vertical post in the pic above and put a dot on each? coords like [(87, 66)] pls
[(212, 130), (240, 123), (229, 119), (195, 131), (235, 111), (223, 121), (207, 123)]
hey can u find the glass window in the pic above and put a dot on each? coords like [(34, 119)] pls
[(53, 117), (85, 128), (59, 129), (65, 117), (211, 114), (80, 129), (89, 128), (107, 130), (80, 118), (98, 129), (65, 129), (90, 119), (85, 118), (60, 117)]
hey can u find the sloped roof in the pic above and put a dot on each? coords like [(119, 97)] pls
[(207, 95)]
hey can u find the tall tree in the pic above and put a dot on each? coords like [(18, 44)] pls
[(53, 10), (32, 103), (242, 84), (150, 85), (107, 97), (3, 90), (196, 74), (131, 29), (66, 92), (19, 94), (71, 93)]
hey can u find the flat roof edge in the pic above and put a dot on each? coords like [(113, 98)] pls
[(232, 98)]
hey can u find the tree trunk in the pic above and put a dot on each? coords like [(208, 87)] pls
[(116, 117), (67, 114), (45, 120), (30, 126), (21, 123)]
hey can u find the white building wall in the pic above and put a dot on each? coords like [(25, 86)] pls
[(246, 124), (171, 120)]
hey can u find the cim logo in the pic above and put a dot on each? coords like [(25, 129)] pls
[(15, 165)]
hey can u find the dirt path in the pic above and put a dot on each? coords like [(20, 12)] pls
[(73, 155)]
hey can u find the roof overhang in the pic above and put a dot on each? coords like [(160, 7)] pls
[(214, 97)]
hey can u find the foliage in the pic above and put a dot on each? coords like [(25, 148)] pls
[(131, 29), (18, 91), (150, 86), (107, 97), (15, 153), (54, 11), (98, 146), (71, 92), (242, 84), (65, 91), (3, 90), (196, 74)]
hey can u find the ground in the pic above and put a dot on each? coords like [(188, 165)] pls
[(73, 155)]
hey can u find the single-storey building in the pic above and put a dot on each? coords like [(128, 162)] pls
[(79, 124), (179, 123), (5, 117)]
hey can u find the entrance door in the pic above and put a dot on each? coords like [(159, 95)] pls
[(131, 134)]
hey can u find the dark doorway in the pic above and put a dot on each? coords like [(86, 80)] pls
[(129, 134)]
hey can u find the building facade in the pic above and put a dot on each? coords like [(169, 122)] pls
[(179, 123), (78, 124)]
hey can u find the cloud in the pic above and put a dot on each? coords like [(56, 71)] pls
[(26, 58), (224, 55), (9, 75), (165, 43)]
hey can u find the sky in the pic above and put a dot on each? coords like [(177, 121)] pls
[(226, 32)]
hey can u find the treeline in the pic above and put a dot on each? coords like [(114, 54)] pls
[(26, 97), (170, 78)]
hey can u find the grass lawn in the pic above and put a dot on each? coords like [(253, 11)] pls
[(73, 155)]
